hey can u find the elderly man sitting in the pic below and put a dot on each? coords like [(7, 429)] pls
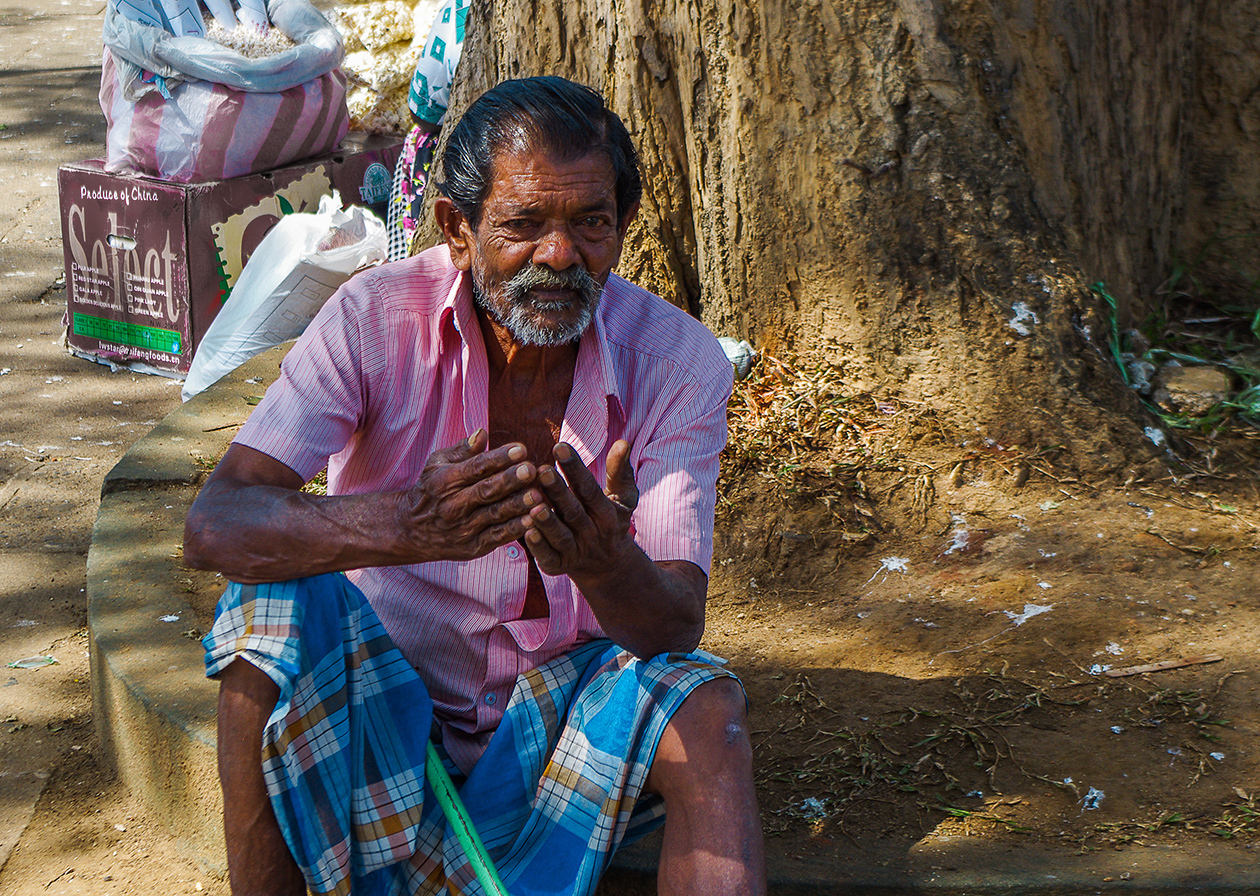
[(467, 579)]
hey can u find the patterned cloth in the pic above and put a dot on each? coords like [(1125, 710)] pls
[(557, 790), (430, 91), (427, 98), (406, 198)]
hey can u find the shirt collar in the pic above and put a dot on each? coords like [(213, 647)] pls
[(594, 358), (595, 396), (457, 310), (599, 336)]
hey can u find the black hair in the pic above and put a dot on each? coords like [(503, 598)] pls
[(548, 113)]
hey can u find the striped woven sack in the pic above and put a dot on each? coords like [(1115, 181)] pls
[(207, 131)]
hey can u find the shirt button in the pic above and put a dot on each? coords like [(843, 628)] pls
[(489, 699), (513, 552)]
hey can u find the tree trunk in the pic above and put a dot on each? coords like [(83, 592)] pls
[(1223, 196), (920, 192)]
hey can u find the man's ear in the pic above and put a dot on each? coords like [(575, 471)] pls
[(623, 226), (456, 231)]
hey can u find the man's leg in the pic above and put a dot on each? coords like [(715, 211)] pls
[(703, 771), (259, 862)]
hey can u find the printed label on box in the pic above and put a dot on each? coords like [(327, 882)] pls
[(124, 285), (377, 182), (149, 263)]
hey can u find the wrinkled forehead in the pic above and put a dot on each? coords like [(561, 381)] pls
[(521, 165)]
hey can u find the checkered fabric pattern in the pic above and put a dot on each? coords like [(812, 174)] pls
[(556, 792)]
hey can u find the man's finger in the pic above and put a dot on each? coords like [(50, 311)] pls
[(504, 508), (503, 533), (461, 450), (621, 485), (500, 486), (547, 539), (580, 480), (468, 461), (561, 497)]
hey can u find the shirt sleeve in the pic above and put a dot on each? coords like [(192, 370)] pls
[(676, 470), (314, 408)]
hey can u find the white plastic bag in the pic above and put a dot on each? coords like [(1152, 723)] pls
[(297, 266)]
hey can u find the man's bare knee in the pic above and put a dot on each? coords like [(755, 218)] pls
[(703, 770), (247, 697), (706, 739), (243, 680), (717, 705)]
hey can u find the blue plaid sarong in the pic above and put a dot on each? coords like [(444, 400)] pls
[(558, 789)]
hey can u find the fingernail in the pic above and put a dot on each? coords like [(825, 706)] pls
[(523, 473), (547, 476), (564, 452), (516, 452), (472, 439), (531, 498), (542, 515)]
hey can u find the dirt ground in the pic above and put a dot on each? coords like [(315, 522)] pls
[(924, 623), (925, 634), (949, 641), (64, 422)]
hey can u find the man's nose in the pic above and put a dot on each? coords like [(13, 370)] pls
[(557, 250)]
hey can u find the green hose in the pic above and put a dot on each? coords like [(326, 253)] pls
[(457, 815)]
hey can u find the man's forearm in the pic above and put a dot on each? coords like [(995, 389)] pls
[(253, 524), (585, 532), (270, 534), (649, 607)]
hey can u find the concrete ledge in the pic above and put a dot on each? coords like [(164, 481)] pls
[(153, 708)]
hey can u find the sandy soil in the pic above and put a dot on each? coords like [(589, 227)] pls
[(949, 643), (66, 422)]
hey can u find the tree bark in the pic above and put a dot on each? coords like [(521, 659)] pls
[(1223, 193), (920, 192)]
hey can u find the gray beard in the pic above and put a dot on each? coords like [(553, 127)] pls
[(516, 313)]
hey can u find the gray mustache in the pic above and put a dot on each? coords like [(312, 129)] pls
[(537, 276)]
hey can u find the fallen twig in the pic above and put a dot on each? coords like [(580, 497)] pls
[(1164, 666), (58, 877), (1188, 548)]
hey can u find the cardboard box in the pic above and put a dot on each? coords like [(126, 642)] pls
[(149, 263)]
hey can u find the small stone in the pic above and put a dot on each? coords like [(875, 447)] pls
[(1192, 391)]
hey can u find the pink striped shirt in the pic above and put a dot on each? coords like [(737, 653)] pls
[(394, 368)]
